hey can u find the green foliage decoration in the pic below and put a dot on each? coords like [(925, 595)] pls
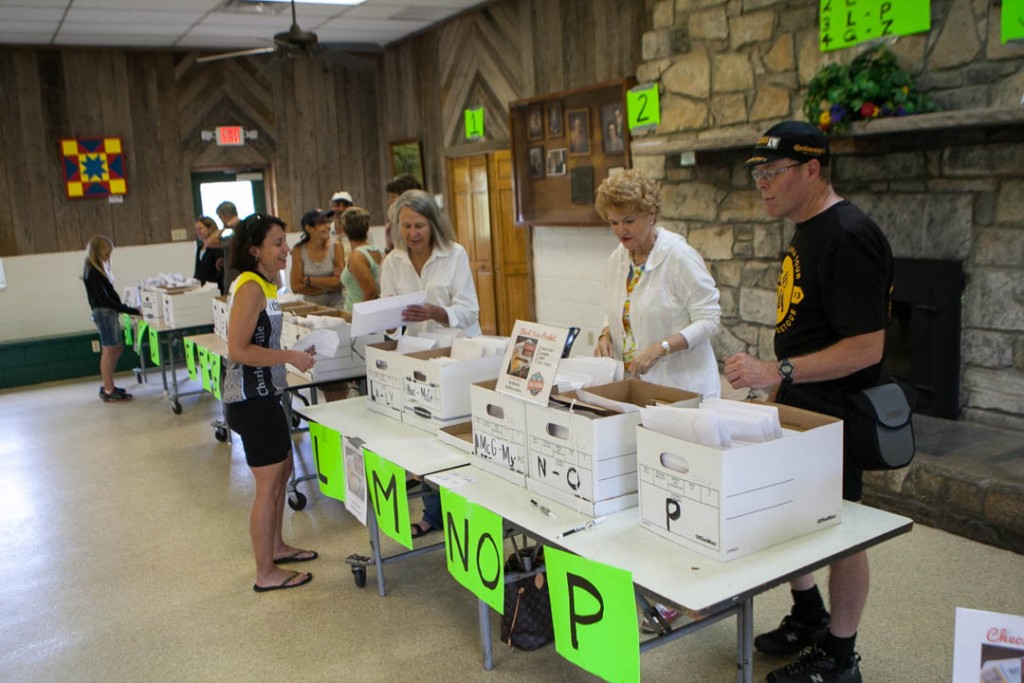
[(871, 86)]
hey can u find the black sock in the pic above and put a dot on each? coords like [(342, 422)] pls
[(808, 606), (840, 648)]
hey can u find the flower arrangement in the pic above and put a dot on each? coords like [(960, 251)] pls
[(872, 85)]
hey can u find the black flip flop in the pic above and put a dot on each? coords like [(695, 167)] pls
[(284, 584), (419, 531), (295, 557)]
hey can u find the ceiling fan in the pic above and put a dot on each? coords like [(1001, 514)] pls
[(296, 42)]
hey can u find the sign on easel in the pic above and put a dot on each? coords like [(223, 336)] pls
[(531, 361), (987, 646)]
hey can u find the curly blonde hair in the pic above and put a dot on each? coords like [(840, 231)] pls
[(630, 191)]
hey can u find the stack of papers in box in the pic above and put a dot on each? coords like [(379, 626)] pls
[(574, 373), (717, 423)]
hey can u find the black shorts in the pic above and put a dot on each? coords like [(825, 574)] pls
[(263, 427), (853, 475)]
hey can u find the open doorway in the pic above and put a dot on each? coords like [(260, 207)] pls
[(243, 187)]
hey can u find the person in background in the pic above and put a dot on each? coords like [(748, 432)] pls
[(317, 261), (395, 188), (427, 257), (361, 277), (833, 307), (227, 212), (106, 306), (209, 266), (661, 303), (253, 382), (340, 201)]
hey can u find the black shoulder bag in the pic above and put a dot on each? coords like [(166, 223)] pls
[(526, 623)]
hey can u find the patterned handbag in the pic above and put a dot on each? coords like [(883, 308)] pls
[(526, 623)]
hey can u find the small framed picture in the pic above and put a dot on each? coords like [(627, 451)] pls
[(582, 185), (613, 122), (554, 111), (579, 131), (556, 161), (536, 159), (535, 123)]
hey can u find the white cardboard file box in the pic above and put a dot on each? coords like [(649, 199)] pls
[(152, 303), (727, 503), (437, 393), (458, 435), (385, 379), (349, 360), (184, 308), (499, 432), (587, 460)]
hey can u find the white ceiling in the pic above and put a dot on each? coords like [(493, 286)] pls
[(211, 24)]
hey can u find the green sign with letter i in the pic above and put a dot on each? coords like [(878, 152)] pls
[(474, 119), (847, 22)]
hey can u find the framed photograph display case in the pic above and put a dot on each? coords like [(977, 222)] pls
[(573, 167)]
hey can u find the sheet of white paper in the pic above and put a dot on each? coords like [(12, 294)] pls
[(766, 416), (610, 404), (467, 349), (325, 341), (599, 370), (383, 314), (451, 480), (408, 344), (443, 337), (689, 424)]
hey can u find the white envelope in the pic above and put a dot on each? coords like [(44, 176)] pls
[(382, 314)]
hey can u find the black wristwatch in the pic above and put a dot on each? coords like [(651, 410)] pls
[(786, 371)]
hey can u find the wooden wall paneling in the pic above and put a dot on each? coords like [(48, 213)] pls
[(360, 171), (10, 176), (57, 125), (34, 223), (115, 109), (548, 35), (144, 162), (578, 54), (175, 188)]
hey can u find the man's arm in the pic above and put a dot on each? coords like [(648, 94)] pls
[(843, 358)]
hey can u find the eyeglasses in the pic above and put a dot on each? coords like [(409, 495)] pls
[(769, 173)]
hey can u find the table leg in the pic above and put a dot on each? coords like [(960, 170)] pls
[(378, 562), (745, 642), (172, 343), (484, 612)]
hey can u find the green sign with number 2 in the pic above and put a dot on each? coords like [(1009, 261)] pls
[(643, 107)]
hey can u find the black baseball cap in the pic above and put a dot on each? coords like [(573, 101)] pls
[(795, 140), (314, 216)]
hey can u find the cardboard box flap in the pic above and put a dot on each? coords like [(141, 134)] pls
[(642, 393), (798, 419)]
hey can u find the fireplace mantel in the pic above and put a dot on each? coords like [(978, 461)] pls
[(858, 139)]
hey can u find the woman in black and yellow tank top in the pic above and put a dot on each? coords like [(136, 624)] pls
[(253, 382)]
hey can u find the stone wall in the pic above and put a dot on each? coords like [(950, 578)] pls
[(732, 68)]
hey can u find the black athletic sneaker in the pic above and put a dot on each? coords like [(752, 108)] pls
[(791, 637), (816, 666)]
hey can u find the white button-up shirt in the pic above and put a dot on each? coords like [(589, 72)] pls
[(447, 279)]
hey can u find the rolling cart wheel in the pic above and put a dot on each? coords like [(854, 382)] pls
[(221, 434), (297, 500), (359, 574), (176, 407)]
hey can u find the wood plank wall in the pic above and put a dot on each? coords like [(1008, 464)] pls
[(323, 126), (318, 126)]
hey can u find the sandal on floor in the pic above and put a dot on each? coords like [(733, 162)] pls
[(286, 583), (422, 528), (298, 556)]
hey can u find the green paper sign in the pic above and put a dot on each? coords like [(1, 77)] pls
[(386, 484), (848, 22), (1012, 20), (473, 541), (330, 470), (214, 364), (126, 321), (474, 121), (140, 334), (594, 614), (643, 107), (204, 367), (190, 357), (154, 346)]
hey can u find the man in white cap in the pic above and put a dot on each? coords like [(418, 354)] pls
[(340, 201)]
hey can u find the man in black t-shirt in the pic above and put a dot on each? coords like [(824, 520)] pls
[(832, 310)]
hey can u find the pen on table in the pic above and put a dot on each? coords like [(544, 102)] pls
[(546, 510), (581, 527)]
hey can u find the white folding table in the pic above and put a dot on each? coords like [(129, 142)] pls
[(708, 590)]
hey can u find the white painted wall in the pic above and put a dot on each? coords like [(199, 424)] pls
[(45, 295), (570, 266)]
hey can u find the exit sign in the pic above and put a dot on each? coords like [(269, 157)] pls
[(230, 136)]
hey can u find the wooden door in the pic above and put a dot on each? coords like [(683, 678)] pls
[(481, 210)]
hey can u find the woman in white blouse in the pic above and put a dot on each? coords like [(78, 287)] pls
[(661, 303), (427, 257)]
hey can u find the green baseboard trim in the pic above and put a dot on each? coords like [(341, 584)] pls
[(47, 359)]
